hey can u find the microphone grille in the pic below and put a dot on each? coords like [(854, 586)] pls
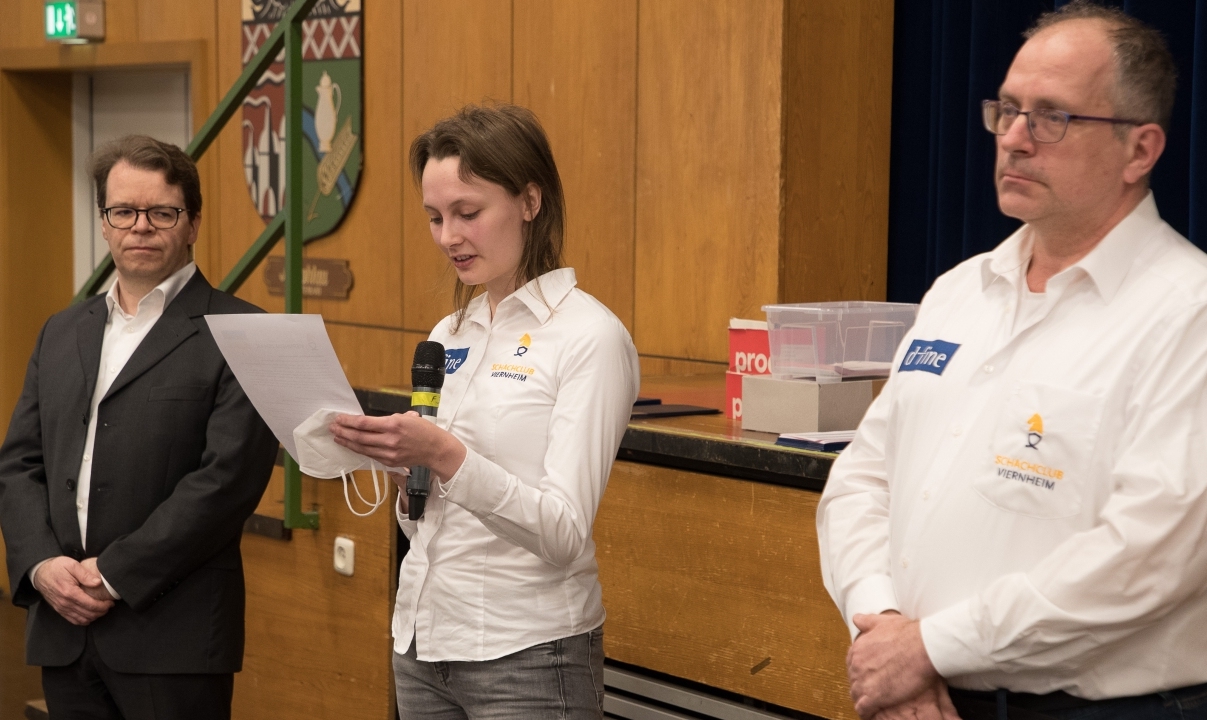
[(428, 368)]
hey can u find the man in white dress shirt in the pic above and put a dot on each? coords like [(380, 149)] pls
[(131, 462), (1020, 525)]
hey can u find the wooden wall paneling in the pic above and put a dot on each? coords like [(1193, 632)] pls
[(370, 236), (35, 216), (454, 52), (838, 60), (709, 578), (158, 20), (35, 222), (23, 25), (318, 643), (173, 20), (576, 68), (658, 366), (409, 341), (122, 16), (371, 357), (708, 171)]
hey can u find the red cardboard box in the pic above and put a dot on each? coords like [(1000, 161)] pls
[(749, 348), (733, 395), (749, 354)]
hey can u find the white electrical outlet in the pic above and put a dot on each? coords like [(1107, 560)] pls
[(345, 556)]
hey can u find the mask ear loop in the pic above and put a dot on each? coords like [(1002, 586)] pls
[(351, 477)]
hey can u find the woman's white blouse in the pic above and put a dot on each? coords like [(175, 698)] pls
[(503, 557)]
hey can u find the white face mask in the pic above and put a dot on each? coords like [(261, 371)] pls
[(321, 457)]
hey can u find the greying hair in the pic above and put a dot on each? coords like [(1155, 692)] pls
[(1146, 77)]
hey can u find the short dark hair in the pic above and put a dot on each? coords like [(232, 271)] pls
[(147, 153), (1146, 77), (506, 145)]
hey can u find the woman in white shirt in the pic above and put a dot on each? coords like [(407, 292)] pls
[(499, 609)]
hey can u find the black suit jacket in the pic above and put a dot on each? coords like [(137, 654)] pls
[(180, 460)]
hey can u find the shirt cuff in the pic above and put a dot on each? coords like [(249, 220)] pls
[(954, 643), (478, 485), (109, 587), (870, 596), (34, 571)]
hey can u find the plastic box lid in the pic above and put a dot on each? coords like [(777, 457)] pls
[(835, 340)]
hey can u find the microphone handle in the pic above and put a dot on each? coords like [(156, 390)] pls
[(419, 483)]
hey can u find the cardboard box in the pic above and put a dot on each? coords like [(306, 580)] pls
[(749, 354), (749, 347), (782, 406), (733, 395)]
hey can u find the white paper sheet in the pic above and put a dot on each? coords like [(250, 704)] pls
[(287, 367)]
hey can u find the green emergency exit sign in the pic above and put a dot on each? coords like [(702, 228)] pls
[(74, 20), (61, 20)]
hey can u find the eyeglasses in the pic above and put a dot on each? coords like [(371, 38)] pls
[(1046, 125), (124, 218)]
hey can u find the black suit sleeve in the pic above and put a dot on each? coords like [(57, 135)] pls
[(24, 498), (206, 510)]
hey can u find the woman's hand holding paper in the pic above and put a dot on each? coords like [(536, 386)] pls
[(401, 440)]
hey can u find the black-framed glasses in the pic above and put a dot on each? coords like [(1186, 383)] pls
[(124, 218), (1046, 124)]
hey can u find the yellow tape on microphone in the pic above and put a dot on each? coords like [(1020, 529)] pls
[(425, 399)]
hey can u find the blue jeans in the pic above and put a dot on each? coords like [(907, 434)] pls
[(558, 680), (1189, 703)]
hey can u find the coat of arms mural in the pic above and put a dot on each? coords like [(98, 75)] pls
[(332, 110)]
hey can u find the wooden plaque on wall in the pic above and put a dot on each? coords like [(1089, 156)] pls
[(321, 277)]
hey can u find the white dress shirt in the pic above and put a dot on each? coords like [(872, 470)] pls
[(1037, 496), (123, 334), (503, 557)]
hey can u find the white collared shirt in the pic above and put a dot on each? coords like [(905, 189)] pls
[(1036, 493), (123, 334), (503, 557)]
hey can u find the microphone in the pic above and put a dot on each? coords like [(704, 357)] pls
[(427, 377)]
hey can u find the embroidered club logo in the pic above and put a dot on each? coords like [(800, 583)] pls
[(454, 358), (1035, 431), (332, 108), (525, 343), (929, 356)]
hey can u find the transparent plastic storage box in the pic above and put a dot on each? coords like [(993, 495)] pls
[(836, 340)]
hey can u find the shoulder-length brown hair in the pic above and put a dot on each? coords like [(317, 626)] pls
[(503, 144)]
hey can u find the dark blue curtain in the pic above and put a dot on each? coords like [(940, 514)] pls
[(948, 55)]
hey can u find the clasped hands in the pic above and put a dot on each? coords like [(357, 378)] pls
[(74, 589), (890, 673)]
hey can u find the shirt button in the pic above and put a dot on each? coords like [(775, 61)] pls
[(87, 458), (79, 504), (925, 494), (956, 429), (904, 562), (988, 368), (112, 371), (129, 329)]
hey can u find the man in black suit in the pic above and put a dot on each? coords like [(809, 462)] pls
[(132, 460)]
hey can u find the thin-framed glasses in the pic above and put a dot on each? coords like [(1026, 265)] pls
[(1046, 124), (124, 218)]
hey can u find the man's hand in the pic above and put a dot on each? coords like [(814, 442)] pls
[(932, 704), (97, 589), (65, 583), (887, 664)]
